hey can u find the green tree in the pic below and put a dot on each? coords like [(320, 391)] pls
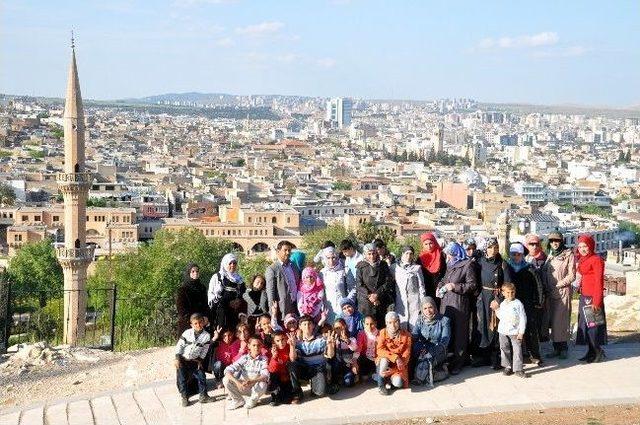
[(336, 232), (633, 229), (57, 132), (96, 202), (7, 195), (369, 231), (155, 270), (251, 266), (35, 268), (396, 245), (341, 185)]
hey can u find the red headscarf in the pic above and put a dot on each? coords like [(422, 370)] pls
[(590, 242), (431, 260)]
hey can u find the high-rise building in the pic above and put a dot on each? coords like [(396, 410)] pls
[(339, 111), (74, 183)]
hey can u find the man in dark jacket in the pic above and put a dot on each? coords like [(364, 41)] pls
[(374, 285), (282, 281)]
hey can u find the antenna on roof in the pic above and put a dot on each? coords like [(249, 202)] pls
[(73, 41)]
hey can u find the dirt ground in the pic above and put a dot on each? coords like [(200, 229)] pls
[(111, 371), (600, 415)]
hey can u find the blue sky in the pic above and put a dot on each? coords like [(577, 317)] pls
[(547, 52)]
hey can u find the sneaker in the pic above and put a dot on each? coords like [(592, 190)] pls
[(251, 403), (205, 398), (296, 399), (507, 371), (522, 374), (455, 371), (274, 400), (184, 400), (383, 390), (333, 389), (235, 404)]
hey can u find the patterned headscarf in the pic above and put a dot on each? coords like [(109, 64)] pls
[(456, 251)]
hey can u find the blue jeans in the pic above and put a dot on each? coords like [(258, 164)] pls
[(298, 371), (189, 369)]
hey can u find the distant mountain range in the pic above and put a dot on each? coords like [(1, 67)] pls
[(196, 98)]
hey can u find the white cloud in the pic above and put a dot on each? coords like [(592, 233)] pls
[(261, 29), (326, 62), (523, 41)]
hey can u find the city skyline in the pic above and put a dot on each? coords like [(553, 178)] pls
[(542, 54)]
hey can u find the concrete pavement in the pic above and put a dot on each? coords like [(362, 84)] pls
[(556, 384)]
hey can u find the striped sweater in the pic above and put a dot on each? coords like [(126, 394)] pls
[(191, 346)]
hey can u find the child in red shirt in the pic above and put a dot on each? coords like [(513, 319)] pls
[(280, 383)]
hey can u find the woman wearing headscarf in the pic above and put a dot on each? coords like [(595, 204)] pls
[(374, 285), (299, 259), (529, 291), (491, 279), (226, 289), (455, 288), (334, 277), (393, 351), (409, 288), (430, 336), (191, 297), (558, 273), (433, 263), (592, 324)]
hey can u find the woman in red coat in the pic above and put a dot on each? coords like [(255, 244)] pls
[(592, 328)]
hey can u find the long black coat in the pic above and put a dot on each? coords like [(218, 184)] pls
[(191, 298), (456, 306), (491, 276), (374, 279)]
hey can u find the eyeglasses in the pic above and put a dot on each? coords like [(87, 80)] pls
[(533, 243), (555, 240)]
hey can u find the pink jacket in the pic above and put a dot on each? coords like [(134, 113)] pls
[(361, 340)]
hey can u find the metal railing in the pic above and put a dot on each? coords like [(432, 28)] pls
[(110, 322)]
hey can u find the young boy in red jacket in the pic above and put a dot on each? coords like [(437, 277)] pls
[(280, 383)]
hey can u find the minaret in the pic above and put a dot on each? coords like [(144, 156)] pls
[(74, 183)]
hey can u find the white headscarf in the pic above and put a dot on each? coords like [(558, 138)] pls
[(228, 258), (392, 316)]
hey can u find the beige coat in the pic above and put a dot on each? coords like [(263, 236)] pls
[(557, 275)]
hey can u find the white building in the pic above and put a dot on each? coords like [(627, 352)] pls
[(339, 111)]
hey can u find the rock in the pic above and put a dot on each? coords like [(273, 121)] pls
[(77, 382), (430, 420), (84, 357), (623, 313), (9, 387)]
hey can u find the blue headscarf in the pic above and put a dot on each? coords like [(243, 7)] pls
[(298, 259), (457, 251)]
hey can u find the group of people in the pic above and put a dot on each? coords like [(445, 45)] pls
[(346, 317)]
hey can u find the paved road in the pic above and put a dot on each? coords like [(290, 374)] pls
[(557, 384)]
